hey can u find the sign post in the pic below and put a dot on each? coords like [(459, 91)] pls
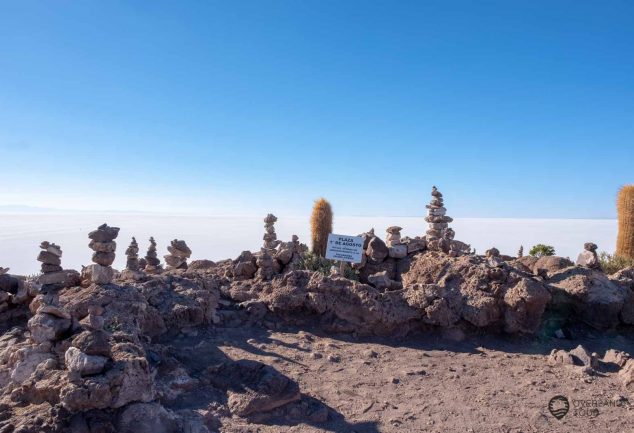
[(345, 249)]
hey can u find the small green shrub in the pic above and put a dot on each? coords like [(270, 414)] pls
[(541, 250), (313, 262), (612, 263)]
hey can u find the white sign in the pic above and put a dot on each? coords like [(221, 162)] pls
[(344, 248)]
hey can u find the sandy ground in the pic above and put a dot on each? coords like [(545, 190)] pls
[(430, 383)]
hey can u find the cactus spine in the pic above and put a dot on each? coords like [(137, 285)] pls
[(320, 226), (625, 210)]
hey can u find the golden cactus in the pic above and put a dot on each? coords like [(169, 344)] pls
[(625, 210), (320, 226)]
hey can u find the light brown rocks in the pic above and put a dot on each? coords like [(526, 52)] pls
[(179, 252), (264, 262), (589, 257), (53, 275)]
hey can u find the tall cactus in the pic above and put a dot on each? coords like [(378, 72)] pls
[(625, 210), (320, 226)]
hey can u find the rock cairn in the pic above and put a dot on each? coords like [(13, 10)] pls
[(179, 252), (436, 216), (53, 275), (520, 252), (132, 269), (132, 263), (589, 257), (396, 248), (152, 262), (102, 242), (51, 258), (270, 237)]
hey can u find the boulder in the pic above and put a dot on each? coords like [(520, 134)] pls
[(550, 264), (525, 303), (595, 299), (398, 251), (377, 251), (45, 327)]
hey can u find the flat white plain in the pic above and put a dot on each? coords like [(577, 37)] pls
[(222, 237)]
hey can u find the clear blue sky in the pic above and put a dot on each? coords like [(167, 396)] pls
[(513, 108)]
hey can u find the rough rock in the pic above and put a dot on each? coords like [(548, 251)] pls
[(83, 364), (596, 299)]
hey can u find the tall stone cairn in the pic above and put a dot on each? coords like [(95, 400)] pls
[(152, 262), (179, 252), (103, 244), (270, 237), (132, 263), (436, 217), (51, 258)]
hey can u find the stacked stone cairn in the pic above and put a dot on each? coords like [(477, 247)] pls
[(102, 242), (132, 269), (589, 257), (152, 262), (438, 223), (53, 275), (396, 248), (270, 237), (179, 252)]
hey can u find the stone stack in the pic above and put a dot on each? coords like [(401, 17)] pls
[(270, 237), (179, 252), (152, 262), (102, 242), (436, 217), (397, 249), (53, 275), (51, 258), (132, 263), (133, 267), (589, 257)]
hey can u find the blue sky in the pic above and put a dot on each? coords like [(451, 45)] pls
[(514, 109)]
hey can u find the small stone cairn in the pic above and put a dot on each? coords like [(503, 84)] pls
[(397, 249), (53, 275), (132, 252), (179, 252), (589, 257), (102, 242), (266, 267), (152, 262), (51, 258), (132, 269), (270, 237)]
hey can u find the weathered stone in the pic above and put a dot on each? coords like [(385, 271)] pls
[(103, 259), (45, 327), (49, 258), (595, 299), (98, 274), (377, 250), (104, 233), (79, 362), (103, 247), (398, 251)]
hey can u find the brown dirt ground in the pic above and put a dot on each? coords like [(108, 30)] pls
[(427, 383)]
